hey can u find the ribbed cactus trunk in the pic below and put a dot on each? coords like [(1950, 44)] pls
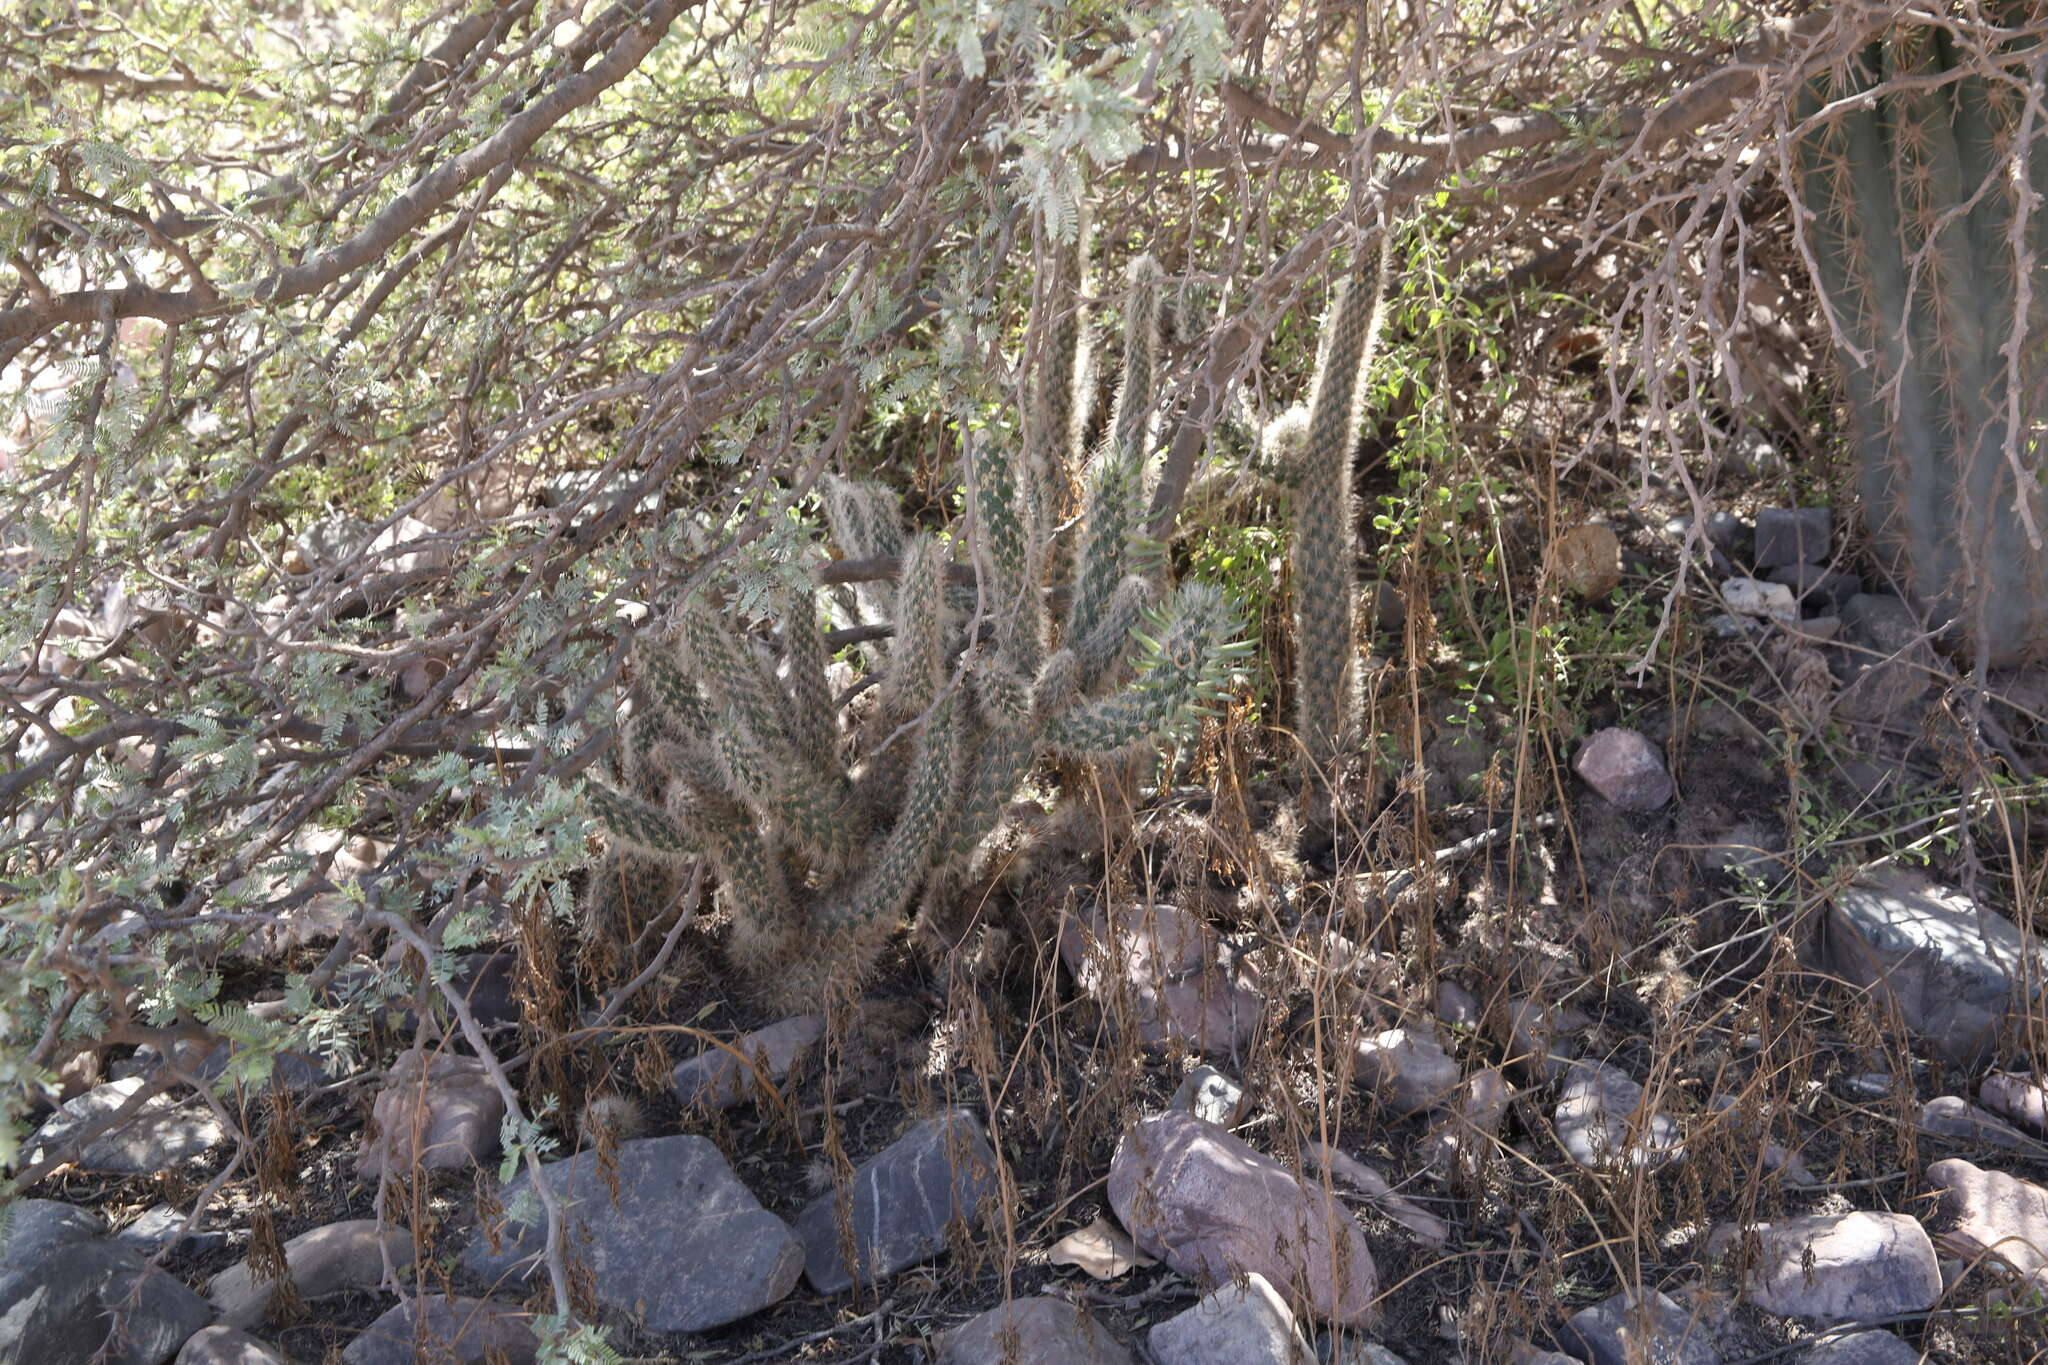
[(1930, 232), (1327, 701)]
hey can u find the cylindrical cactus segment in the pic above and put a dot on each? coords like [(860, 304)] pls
[(1181, 669), (1326, 658), (1911, 200), (1114, 502)]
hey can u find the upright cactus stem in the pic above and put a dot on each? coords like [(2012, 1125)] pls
[(1913, 202), (1327, 699), (740, 763)]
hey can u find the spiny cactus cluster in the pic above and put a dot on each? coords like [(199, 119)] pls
[(822, 833), (1320, 441), (1936, 268)]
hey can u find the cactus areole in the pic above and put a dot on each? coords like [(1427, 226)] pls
[(1927, 216)]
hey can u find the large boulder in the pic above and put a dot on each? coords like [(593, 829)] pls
[(69, 1297)]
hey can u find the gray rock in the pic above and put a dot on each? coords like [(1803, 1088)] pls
[(1407, 1068), (162, 1225), (1861, 1348), (1352, 1349), (1992, 1214), (1955, 1118), (1244, 1322), (1600, 1123), (67, 1296), (1819, 589), (1954, 968), (1213, 1208), (1156, 966), (329, 1260), (438, 1111), (219, 1345), (162, 1133), (1892, 666), (1457, 1006), (715, 1079), (1210, 1096), (1746, 848), (1793, 535), (1788, 1165), (682, 1247), (2022, 1099), (1625, 768), (1637, 1327), (1538, 1046), (1838, 1267), (901, 1202), (447, 1331), (1756, 598), (1037, 1331), (1867, 1085)]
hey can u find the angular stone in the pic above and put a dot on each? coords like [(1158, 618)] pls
[(1407, 1068), (438, 1111), (1993, 1214), (1790, 1168), (1537, 1046), (1793, 535), (1753, 597), (682, 1246), (1862, 1348), (1244, 1322), (69, 1297), (1955, 1118), (447, 1331), (219, 1345), (1037, 1331), (715, 1078), (329, 1260), (1474, 1120), (1213, 1208), (1818, 588), (1210, 1096), (162, 1133), (901, 1203), (1838, 1267), (1954, 969), (1157, 965), (2022, 1099), (163, 1224), (1625, 768), (1637, 1327), (1376, 1187), (1599, 1122), (1892, 665)]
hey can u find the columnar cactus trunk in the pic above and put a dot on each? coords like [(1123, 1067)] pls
[(1327, 699), (1929, 228)]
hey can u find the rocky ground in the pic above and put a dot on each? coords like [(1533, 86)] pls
[(1728, 1052)]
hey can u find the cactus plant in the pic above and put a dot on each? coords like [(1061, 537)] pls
[(1927, 229), (821, 839), (1327, 698)]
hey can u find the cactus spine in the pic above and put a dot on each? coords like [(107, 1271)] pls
[(1915, 200), (1327, 698), (821, 840)]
